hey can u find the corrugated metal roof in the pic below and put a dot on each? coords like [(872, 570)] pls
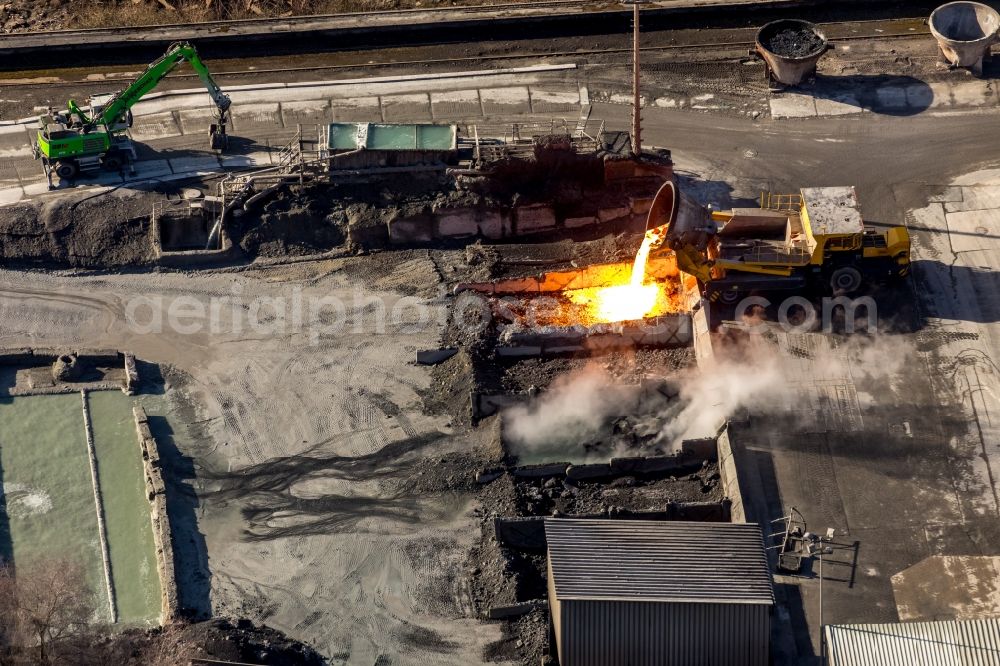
[(643, 560), (960, 643)]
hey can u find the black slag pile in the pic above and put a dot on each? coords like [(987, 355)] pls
[(794, 42)]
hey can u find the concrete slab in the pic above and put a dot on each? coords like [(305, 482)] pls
[(842, 104), (792, 105), (406, 108), (356, 109), (306, 112), (948, 588), (975, 197), (949, 194), (10, 195), (704, 102), (505, 101), (919, 96), (11, 129), (24, 172), (18, 150), (456, 104), (553, 101), (626, 98), (941, 95), (104, 178), (670, 102), (257, 116), (151, 169), (891, 98), (175, 100), (972, 93), (34, 189), (259, 158), (970, 230), (577, 222), (196, 121), (534, 218), (156, 126), (459, 223), (195, 163), (10, 173)]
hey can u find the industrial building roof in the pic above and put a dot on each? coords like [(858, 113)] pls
[(642, 560), (963, 643)]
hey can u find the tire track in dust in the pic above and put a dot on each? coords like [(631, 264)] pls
[(113, 312), (362, 415)]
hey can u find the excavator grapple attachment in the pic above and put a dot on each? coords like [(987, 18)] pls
[(217, 137)]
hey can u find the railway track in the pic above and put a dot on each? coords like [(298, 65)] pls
[(838, 32), (538, 19), (374, 17)]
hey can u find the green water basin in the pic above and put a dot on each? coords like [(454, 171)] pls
[(126, 510), (48, 507)]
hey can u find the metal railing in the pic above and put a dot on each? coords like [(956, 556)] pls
[(780, 202), (767, 254)]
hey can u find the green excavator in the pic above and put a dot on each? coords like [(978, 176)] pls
[(74, 141)]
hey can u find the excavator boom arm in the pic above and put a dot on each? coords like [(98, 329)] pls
[(118, 106), (222, 101)]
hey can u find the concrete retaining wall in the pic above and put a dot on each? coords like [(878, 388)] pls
[(157, 496), (529, 533), (701, 334), (488, 404), (207, 211), (131, 375), (637, 465), (43, 356), (730, 477), (515, 610), (673, 331), (520, 221), (19, 357), (40, 357)]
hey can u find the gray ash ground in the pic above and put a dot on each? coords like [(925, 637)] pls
[(794, 42)]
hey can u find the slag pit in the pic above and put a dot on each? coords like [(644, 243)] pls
[(589, 296)]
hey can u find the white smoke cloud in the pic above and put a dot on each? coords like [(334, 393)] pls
[(575, 410), (763, 374)]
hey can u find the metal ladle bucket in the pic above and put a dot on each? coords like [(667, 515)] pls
[(965, 31), (789, 70)]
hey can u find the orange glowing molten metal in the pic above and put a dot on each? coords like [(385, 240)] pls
[(626, 302)]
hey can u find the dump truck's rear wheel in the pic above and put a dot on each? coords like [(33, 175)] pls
[(845, 280), (67, 169)]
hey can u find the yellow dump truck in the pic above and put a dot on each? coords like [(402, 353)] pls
[(813, 240)]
